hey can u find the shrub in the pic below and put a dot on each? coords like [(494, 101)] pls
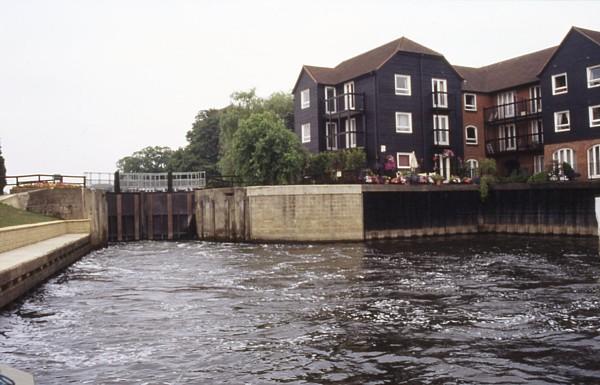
[(540, 177), (354, 159), (487, 167)]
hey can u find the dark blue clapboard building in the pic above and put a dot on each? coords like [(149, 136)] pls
[(393, 100)]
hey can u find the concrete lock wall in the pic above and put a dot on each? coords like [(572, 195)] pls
[(305, 213), (96, 209), (281, 213), (221, 214), (18, 236)]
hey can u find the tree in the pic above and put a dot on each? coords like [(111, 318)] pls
[(149, 159), (2, 173), (264, 151), (242, 105), (202, 151)]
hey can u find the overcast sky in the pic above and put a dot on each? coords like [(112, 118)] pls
[(84, 83)]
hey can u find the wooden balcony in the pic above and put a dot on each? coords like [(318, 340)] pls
[(512, 112), (513, 144), (343, 105)]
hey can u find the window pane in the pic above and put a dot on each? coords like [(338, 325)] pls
[(596, 113), (401, 82), (564, 119), (560, 81), (402, 120), (403, 161), (595, 73)]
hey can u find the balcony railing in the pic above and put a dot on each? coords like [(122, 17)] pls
[(347, 103), (520, 143), (520, 109), (442, 100)]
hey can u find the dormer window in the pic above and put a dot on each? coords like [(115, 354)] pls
[(470, 102), (402, 83), (305, 98), (559, 84)]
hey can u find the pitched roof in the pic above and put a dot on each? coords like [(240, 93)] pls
[(592, 35), (505, 74), (366, 62)]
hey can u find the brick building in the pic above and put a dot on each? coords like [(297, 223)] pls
[(527, 112)]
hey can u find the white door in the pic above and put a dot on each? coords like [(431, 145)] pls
[(349, 96), (331, 136), (507, 135), (506, 104), (439, 88), (535, 127), (535, 94), (351, 133)]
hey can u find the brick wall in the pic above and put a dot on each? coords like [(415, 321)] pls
[(475, 118), (580, 148)]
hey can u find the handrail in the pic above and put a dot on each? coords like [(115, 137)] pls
[(355, 99), (44, 178), (514, 143), (513, 110)]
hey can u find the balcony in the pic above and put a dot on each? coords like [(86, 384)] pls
[(442, 101), (513, 144), (511, 112), (343, 105)]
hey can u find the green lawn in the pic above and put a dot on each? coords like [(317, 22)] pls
[(9, 216)]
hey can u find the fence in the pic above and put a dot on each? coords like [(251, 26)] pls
[(163, 181), (35, 179)]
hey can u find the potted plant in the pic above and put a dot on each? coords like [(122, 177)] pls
[(437, 179)]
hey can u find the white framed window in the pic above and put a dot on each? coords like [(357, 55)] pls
[(562, 121), (593, 158), (402, 84), (306, 133), (506, 104), (403, 160), (331, 136), (471, 135), (536, 131), (538, 164), (441, 130), (472, 167), (470, 102), (439, 89), (349, 100), (330, 100), (305, 98), (507, 135), (595, 116), (564, 155), (350, 133), (593, 76), (559, 84), (535, 94), (404, 122)]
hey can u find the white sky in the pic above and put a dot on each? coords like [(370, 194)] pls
[(86, 82)]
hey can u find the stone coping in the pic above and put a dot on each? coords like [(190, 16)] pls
[(315, 189), (13, 237)]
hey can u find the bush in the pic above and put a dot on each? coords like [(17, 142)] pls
[(487, 167), (517, 176), (355, 159), (540, 177)]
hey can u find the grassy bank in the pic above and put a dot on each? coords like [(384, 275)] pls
[(9, 216)]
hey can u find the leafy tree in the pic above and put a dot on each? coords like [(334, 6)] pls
[(202, 151), (149, 159), (264, 151), (2, 173), (243, 104)]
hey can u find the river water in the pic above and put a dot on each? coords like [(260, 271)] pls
[(468, 310)]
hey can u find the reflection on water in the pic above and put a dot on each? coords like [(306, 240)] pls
[(470, 310)]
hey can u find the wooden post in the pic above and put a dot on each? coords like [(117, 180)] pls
[(119, 218), (136, 217), (117, 183), (150, 212), (169, 216)]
